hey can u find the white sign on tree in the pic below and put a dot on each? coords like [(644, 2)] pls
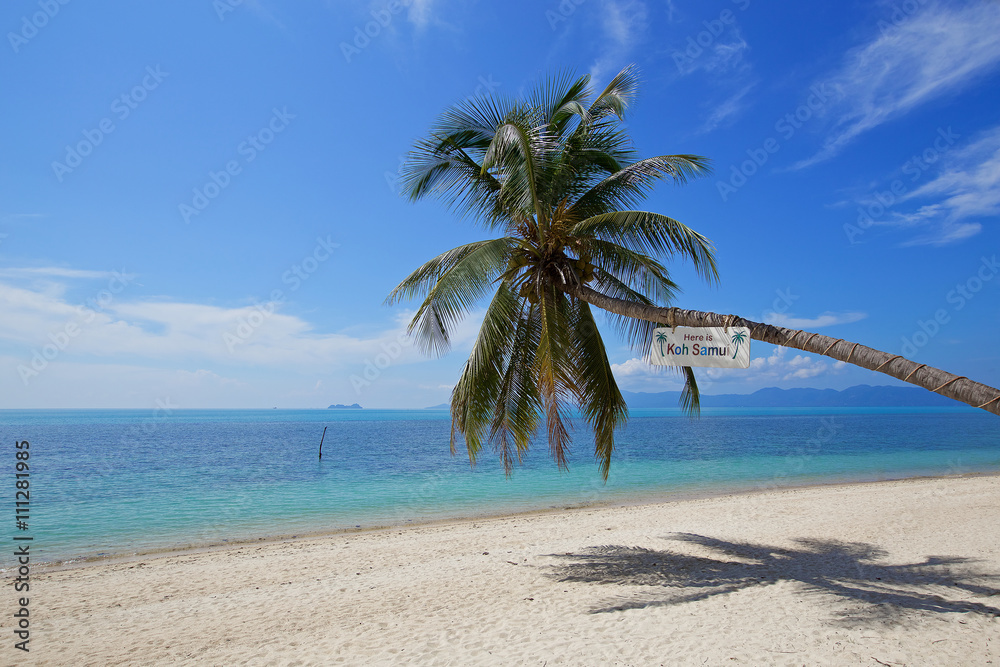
[(713, 347)]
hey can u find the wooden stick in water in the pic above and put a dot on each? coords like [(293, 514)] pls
[(321, 443)]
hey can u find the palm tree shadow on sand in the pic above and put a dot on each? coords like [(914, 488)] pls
[(847, 572)]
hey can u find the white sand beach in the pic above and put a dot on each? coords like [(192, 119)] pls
[(888, 573)]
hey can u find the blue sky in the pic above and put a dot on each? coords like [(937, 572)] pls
[(198, 205)]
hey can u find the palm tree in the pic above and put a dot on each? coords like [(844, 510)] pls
[(556, 175)]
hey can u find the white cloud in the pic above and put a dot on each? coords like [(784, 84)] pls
[(420, 13), (623, 23), (124, 351), (634, 367), (188, 335), (780, 366), (638, 375), (827, 319), (939, 50)]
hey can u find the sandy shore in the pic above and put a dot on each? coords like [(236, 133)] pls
[(891, 573)]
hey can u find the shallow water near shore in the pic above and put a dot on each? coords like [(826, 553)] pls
[(124, 481)]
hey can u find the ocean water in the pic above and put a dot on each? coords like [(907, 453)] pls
[(108, 482)]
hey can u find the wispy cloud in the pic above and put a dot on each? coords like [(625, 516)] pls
[(967, 187), (939, 50), (671, 10), (827, 319), (964, 188), (724, 55), (721, 61), (946, 234), (727, 110), (265, 14), (623, 24), (53, 272), (420, 13)]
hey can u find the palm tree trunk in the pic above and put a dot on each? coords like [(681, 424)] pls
[(941, 382)]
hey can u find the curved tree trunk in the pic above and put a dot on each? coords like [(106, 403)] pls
[(933, 379)]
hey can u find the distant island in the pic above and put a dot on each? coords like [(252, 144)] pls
[(338, 406), (441, 406), (859, 396)]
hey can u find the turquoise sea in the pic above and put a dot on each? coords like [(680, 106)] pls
[(125, 481)]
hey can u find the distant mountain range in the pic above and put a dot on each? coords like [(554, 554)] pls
[(338, 406), (860, 396)]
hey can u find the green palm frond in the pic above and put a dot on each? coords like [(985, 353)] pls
[(690, 395), (518, 150), (653, 234), (640, 272), (453, 283), (618, 95), (637, 334), (562, 99), (557, 380), (631, 184), (485, 379), (599, 398)]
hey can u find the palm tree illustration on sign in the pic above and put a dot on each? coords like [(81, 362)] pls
[(661, 338), (738, 339)]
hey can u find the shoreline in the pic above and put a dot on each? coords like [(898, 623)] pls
[(905, 571), (651, 499)]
